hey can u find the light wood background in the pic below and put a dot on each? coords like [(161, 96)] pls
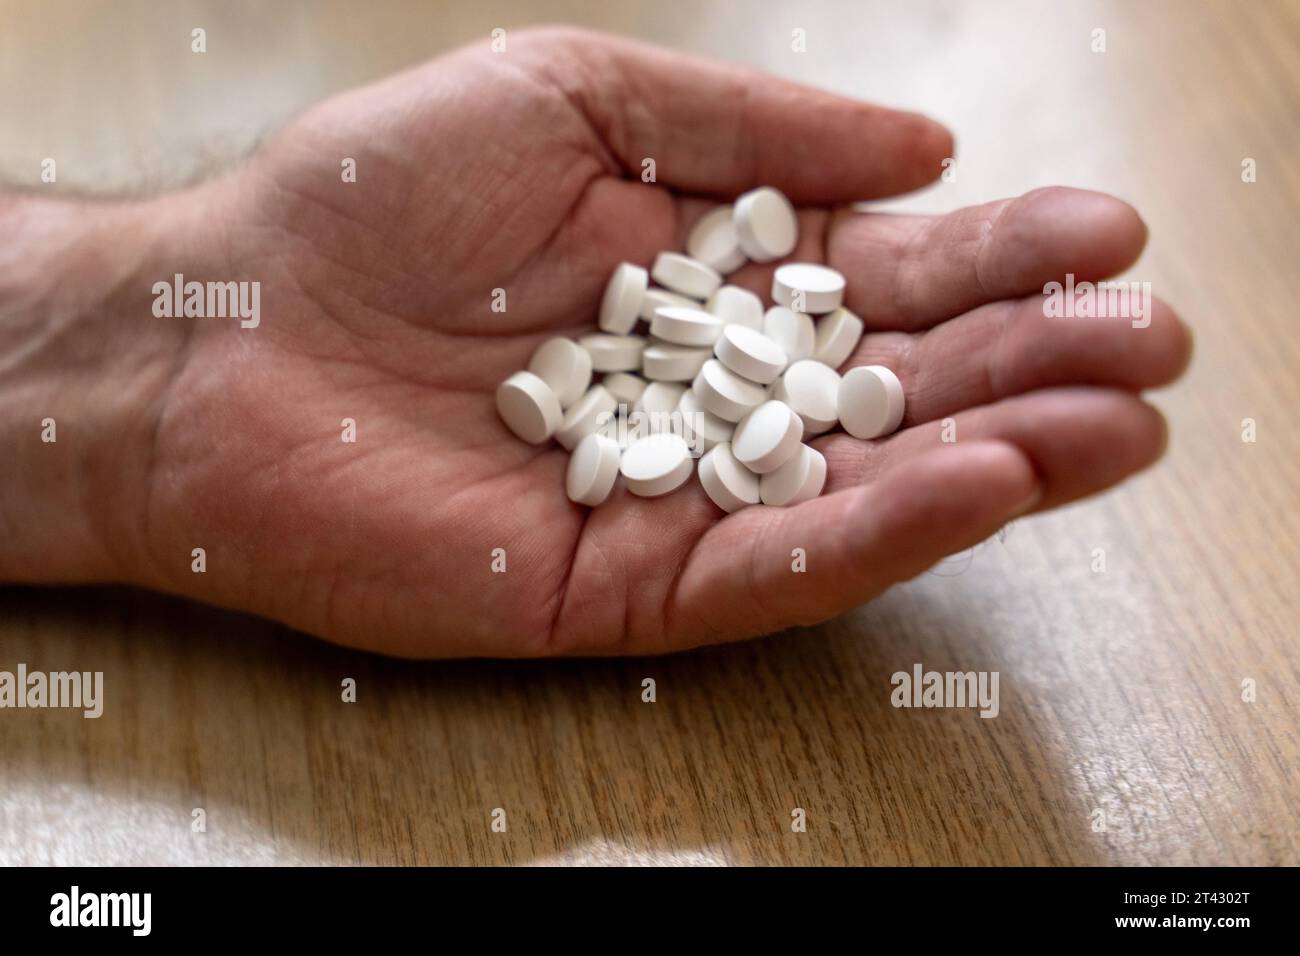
[(1120, 691)]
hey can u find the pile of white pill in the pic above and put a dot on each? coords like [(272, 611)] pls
[(718, 377)]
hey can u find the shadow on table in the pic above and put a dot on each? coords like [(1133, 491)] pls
[(244, 719)]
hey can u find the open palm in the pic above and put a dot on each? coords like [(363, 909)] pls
[(521, 171)]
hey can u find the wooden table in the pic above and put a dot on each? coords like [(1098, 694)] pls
[(1121, 691)]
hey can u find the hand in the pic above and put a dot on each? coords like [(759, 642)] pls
[(521, 171)]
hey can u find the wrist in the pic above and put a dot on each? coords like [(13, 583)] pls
[(84, 373)]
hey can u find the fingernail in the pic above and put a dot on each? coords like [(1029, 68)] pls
[(1028, 504)]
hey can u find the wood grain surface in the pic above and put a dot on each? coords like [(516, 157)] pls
[(1121, 691)]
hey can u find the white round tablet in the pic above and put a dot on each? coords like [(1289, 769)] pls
[(870, 401), (728, 483), (793, 331), (682, 326), (565, 366), (800, 479), (733, 304), (624, 386), (664, 362), (585, 416), (660, 398), (685, 275), (528, 407), (593, 466), (812, 390), (767, 437), (837, 336), (622, 299), (722, 392), (702, 429), (713, 241), (655, 297), (766, 225), (613, 353), (750, 354), (807, 287), (623, 429), (656, 464)]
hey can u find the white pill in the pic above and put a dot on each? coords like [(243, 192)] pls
[(585, 416), (734, 305), (624, 386), (664, 362), (565, 366), (713, 241), (660, 398), (722, 392), (529, 407), (812, 390), (838, 335), (622, 300), (654, 298), (750, 354), (818, 288), (793, 331), (766, 226), (683, 326), (656, 464), (622, 428), (728, 483), (702, 429), (613, 353), (799, 479), (660, 423), (870, 401), (593, 466), (767, 437), (685, 275)]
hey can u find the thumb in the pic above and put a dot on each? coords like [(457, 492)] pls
[(722, 129)]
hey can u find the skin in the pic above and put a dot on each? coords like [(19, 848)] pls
[(521, 171)]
